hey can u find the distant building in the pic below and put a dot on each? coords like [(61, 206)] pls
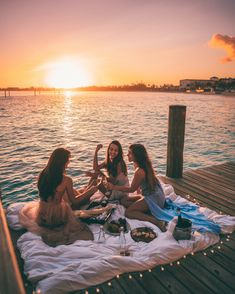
[(197, 84)]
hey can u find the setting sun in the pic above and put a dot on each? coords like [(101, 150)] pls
[(67, 73)]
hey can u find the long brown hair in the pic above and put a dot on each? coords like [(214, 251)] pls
[(113, 165), (52, 174), (142, 158)]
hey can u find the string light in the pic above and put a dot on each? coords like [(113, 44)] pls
[(150, 270)]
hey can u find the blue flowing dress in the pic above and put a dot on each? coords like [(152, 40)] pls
[(165, 209)]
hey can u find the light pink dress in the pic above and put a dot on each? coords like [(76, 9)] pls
[(54, 221)]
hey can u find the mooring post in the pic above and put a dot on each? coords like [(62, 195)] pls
[(175, 144)]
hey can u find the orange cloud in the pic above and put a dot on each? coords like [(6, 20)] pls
[(225, 42)]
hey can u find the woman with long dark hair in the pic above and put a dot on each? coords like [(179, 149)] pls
[(146, 184), (52, 217), (115, 166)]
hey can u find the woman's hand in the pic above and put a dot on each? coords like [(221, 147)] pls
[(109, 186), (98, 147)]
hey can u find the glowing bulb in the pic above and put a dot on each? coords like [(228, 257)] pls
[(110, 284), (162, 268), (130, 276), (141, 276)]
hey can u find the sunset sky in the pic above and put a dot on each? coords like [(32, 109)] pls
[(72, 43)]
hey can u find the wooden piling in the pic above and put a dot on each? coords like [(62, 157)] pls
[(175, 145)]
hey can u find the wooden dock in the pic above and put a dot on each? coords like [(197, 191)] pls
[(210, 271), (213, 187)]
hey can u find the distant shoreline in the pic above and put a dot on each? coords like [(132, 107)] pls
[(37, 91)]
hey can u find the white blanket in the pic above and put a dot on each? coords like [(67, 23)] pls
[(67, 268)]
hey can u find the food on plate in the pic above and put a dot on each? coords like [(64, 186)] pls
[(143, 234)]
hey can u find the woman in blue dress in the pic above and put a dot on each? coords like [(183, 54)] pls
[(146, 184)]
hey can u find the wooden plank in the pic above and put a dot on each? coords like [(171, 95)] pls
[(184, 190), (130, 283), (192, 282), (216, 178), (151, 284), (10, 278), (203, 191), (173, 285), (221, 172), (215, 190), (219, 272), (209, 177), (221, 257), (206, 277)]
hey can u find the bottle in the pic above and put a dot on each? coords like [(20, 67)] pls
[(101, 237), (122, 240), (179, 217)]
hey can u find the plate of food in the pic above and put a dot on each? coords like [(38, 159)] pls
[(113, 227), (143, 234)]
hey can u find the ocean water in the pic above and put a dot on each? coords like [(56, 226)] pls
[(31, 127)]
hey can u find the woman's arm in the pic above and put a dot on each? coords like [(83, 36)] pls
[(97, 166), (139, 176)]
